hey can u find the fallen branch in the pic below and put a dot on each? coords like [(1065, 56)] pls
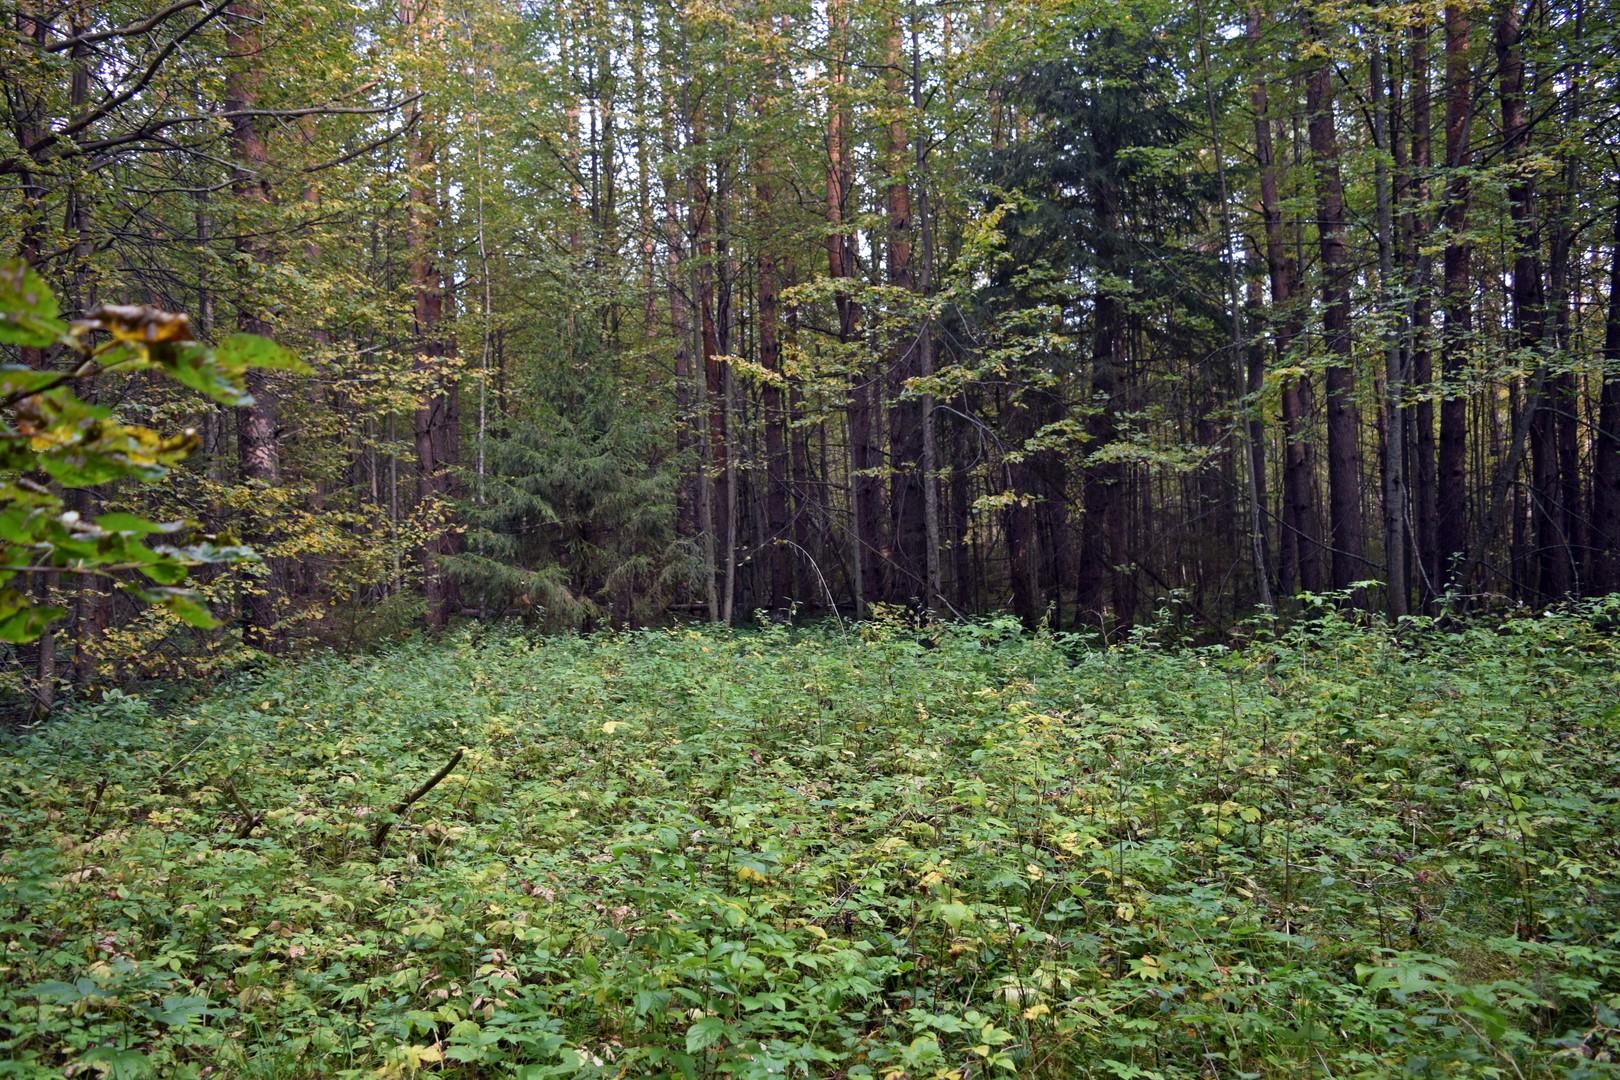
[(380, 837), (250, 820), (95, 804)]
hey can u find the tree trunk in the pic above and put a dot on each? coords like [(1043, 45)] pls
[(932, 593), (1394, 465), (1343, 414), (1417, 227), (779, 557), (1528, 302), (1300, 565), (904, 559), (1451, 488), (864, 490), (1606, 442), (258, 449)]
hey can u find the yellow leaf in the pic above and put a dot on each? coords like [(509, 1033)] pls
[(423, 1055)]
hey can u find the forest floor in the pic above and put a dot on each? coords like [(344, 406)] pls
[(962, 852)]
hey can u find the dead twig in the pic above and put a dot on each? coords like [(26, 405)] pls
[(380, 837), (250, 820)]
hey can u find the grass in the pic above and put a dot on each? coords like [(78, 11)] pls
[(961, 852)]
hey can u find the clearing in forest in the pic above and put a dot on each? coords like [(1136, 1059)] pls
[(961, 852)]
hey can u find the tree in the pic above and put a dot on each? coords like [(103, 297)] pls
[(52, 438)]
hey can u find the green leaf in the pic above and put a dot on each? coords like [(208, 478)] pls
[(183, 602), (252, 351), (133, 523), (19, 381), (28, 623), (28, 311), (190, 610), (199, 368), (704, 1034)]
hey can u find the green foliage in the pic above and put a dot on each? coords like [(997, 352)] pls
[(573, 519), (50, 432), (957, 852)]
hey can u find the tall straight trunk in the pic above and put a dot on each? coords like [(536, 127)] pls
[(435, 407), (1300, 566), (1345, 523), (258, 450), (1254, 385), (1528, 305), (903, 564), (1528, 302), (1023, 545), (688, 424), (1102, 545), (728, 499), (92, 606), (1416, 228), (779, 557), (964, 581), (1252, 428), (1394, 464), (1451, 485), (932, 592), (1562, 279), (711, 381), (1606, 441), (864, 491)]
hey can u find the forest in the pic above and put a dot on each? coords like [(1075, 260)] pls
[(889, 538), (621, 313)]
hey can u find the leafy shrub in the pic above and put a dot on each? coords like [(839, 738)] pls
[(950, 852)]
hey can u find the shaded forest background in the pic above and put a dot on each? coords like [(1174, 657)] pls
[(625, 309)]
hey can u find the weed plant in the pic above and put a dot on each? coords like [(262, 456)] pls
[(960, 852)]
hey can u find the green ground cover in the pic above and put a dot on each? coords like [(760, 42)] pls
[(966, 852)]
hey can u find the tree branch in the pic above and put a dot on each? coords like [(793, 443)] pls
[(380, 837)]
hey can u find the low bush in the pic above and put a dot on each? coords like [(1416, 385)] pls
[(873, 851)]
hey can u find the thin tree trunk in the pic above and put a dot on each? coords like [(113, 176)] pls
[(903, 542), (925, 342), (1343, 414), (862, 435), (1417, 228), (1552, 576), (1394, 470), (1301, 536), (1451, 491), (1606, 442), (1251, 427), (258, 449)]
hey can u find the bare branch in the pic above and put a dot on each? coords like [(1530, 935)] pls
[(145, 26)]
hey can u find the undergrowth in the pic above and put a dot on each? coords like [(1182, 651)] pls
[(962, 852)]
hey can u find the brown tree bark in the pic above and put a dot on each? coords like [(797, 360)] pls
[(1397, 584), (779, 558), (1606, 441), (1416, 229), (1300, 561), (864, 487), (258, 449), (435, 412), (1528, 300), (903, 573), (1345, 523), (1451, 486)]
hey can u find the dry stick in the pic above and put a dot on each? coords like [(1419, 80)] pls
[(95, 804), (380, 837), (250, 820)]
